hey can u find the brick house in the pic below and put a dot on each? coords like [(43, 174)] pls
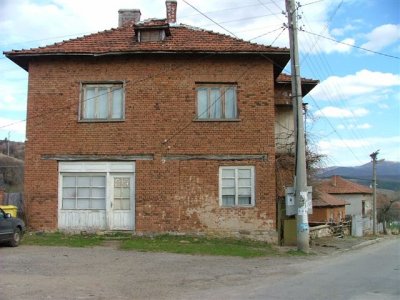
[(152, 127), (327, 209)]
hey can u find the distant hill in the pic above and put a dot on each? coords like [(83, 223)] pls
[(11, 173), (14, 149), (387, 173)]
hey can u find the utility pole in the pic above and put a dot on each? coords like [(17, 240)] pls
[(301, 191), (8, 144), (374, 161)]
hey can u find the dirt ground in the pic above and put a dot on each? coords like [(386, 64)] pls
[(37, 272)]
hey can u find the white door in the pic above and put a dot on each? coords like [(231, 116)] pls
[(121, 214)]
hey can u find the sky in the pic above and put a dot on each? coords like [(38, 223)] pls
[(351, 46)]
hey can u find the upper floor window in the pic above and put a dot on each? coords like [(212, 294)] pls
[(151, 35), (216, 102), (102, 102)]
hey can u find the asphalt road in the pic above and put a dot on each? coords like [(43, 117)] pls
[(31, 272), (369, 273)]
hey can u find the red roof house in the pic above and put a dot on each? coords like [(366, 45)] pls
[(153, 127), (358, 196)]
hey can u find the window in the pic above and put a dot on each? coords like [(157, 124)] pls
[(102, 102), (216, 102), (236, 186), (84, 191), (122, 193), (151, 35)]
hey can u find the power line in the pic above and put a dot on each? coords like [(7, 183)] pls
[(204, 15), (329, 70), (347, 44), (310, 3), (237, 20), (264, 34)]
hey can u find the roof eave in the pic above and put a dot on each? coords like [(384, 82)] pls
[(22, 59)]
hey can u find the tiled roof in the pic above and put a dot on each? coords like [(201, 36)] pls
[(327, 200), (306, 84), (339, 185), (285, 78), (122, 40)]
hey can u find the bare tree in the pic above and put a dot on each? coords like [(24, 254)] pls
[(387, 211)]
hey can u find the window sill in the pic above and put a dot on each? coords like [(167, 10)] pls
[(237, 206), (217, 120), (101, 121)]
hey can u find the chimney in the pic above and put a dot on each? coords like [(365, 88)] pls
[(128, 16), (171, 10)]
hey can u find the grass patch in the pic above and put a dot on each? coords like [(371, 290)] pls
[(199, 246), (61, 239), (162, 243), (295, 252)]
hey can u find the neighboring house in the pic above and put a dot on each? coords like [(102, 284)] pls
[(358, 196), (153, 127), (327, 209)]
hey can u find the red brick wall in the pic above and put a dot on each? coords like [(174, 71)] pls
[(159, 104), (323, 214)]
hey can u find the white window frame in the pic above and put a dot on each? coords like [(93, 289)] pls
[(110, 86), (252, 185), (206, 115), (91, 187)]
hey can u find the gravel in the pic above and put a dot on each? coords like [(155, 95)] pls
[(38, 272)]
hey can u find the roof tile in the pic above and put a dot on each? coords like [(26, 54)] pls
[(123, 40), (339, 185)]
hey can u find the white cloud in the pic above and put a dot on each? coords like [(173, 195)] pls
[(336, 112), (382, 36), (361, 83), (343, 30), (354, 126), (356, 151)]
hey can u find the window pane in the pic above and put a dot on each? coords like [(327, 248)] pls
[(215, 103), (228, 191), (230, 103), (68, 181), (117, 193), (245, 182), (83, 203), (244, 200), (98, 181), (98, 204), (228, 200), (68, 203), (125, 204), (228, 182), (117, 103), (89, 103), (202, 109), (98, 192), (228, 173), (244, 191), (102, 103), (125, 193), (83, 181), (83, 192), (69, 193), (244, 173)]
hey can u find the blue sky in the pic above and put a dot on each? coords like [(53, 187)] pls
[(354, 111)]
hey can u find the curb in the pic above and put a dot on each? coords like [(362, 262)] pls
[(366, 243)]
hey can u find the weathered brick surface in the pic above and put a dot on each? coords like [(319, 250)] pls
[(327, 214), (179, 196)]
